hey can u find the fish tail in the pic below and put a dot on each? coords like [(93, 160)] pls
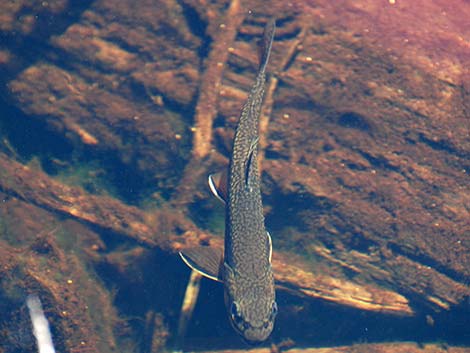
[(267, 43)]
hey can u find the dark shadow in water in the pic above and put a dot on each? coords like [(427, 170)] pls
[(354, 121), (32, 138), (311, 323), (33, 47), (155, 282), (293, 213), (198, 27)]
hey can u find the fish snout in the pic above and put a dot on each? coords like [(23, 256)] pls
[(257, 335), (250, 327)]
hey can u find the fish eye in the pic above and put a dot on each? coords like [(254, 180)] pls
[(274, 310), (235, 313)]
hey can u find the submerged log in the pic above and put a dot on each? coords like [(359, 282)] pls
[(360, 348), (160, 229)]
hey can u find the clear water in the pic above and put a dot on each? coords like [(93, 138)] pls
[(104, 291)]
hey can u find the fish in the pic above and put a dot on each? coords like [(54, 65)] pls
[(244, 267)]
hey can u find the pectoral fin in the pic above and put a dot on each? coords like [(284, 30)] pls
[(270, 246), (218, 185), (205, 260)]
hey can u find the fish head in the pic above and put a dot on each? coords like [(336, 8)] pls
[(251, 306)]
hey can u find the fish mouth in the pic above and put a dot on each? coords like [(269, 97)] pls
[(252, 332), (254, 335)]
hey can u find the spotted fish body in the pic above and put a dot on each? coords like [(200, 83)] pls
[(249, 281), (245, 267)]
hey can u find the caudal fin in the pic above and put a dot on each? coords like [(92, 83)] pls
[(267, 43)]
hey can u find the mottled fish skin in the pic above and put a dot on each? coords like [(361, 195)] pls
[(248, 276), (245, 266)]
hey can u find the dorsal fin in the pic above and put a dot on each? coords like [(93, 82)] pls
[(270, 246), (249, 165)]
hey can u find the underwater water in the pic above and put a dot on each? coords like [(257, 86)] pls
[(114, 113)]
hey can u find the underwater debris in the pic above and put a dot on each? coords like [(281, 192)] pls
[(189, 302), (41, 328)]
